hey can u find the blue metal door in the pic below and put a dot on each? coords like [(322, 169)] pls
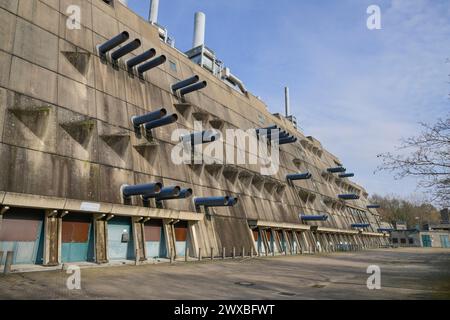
[(77, 238), (445, 241), (22, 232), (426, 240), (120, 239), (155, 243)]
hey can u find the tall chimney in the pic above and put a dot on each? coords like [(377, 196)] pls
[(287, 103), (199, 29), (153, 14)]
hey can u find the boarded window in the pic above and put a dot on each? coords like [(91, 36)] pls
[(75, 231), (180, 233), (152, 233), (21, 225)]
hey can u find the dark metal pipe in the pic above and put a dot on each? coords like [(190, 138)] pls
[(114, 42), (212, 201), (173, 191), (373, 206), (126, 49), (360, 225), (349, 196), (232, 201), (336, 169), (141, 189), (385, 229), (185, 83), (194, 87), (322, 217), (346, 175), (141, 58), (161, 122), (288, 140), (152, 116), (151, 64), (183, 194), (299, 176)]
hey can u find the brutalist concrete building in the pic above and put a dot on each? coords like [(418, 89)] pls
[(90, 95)]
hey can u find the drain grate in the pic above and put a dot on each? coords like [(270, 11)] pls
[(244, 283)]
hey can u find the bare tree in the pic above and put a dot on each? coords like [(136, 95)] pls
[(426, 156)]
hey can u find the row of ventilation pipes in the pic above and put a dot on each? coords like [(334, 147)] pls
[(145, 62)]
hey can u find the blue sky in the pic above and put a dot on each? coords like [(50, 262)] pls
[(357, 91)]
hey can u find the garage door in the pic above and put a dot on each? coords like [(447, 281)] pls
[(22, 232), (77, 238), (154, 239), (120, 239)]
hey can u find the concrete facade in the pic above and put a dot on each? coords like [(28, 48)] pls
[(66, 140)]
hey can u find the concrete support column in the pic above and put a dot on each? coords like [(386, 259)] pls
[(169, 233), (193, 239), (52, 238), (101, 238), (139, 238)]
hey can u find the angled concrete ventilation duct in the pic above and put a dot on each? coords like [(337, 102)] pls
[(226, 74)]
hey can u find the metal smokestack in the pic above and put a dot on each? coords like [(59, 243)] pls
[(199, 29), (287, 103), (153, 14)]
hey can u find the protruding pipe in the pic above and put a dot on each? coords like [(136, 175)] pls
[(194, 87), (161, 122), (201, 137), (299, 176), (199, 29), (114, 42), (385, 229), (141, 58), (169, 192), (141, 189), (336, 169), (373, 206), (152, 116), (348, 196), (126, 49), (184, 83), (287, 140), (183, 194), (346, 175), (360, 225), (151, 64), (212, 201), (232, 202), (322, 217), (153, 14)]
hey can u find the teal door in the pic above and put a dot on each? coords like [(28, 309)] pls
[(426, 240), (445, 241), (120, 239), (155, 243), (77, 238), (22, 232)]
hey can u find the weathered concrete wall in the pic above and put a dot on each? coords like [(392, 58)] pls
[(65, 128)]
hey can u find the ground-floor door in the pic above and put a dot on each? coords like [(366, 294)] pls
[(426, 240), (445, 241), (155, 243), (22, 232), (181, 233), (77, 238), (120, 239)]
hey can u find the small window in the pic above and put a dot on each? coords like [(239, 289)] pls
[(394, 240), (173, 66), (403, 241), (411, 241)]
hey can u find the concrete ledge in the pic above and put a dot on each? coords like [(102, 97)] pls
[(332, 230), (280, 225), (372, 234), (33, 201), (42, 202)]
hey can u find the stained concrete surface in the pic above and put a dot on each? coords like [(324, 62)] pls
[(406, 273)]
